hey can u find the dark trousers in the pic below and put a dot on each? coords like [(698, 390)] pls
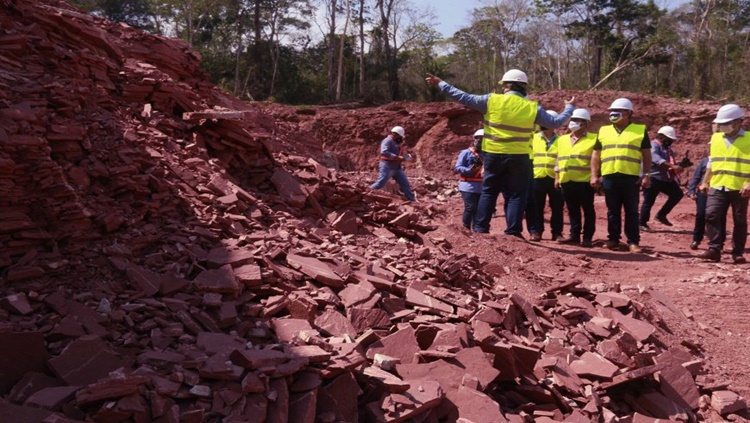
[(700, 216), (716, 222), (621, 193), (541, 189), (580, 196), (507, 174), (471, 201), (670, 188)]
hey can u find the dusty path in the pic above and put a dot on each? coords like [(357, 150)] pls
[(709, 301)]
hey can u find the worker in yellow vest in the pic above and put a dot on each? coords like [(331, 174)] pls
[(509, 119), (621, 164), (573, 174), (544, 157), (727, 183)]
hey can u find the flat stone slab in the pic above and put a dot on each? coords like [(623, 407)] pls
[(315, 269)]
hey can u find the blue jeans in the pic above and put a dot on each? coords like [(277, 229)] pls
[(387, 171), (621, 192), (508, 174), (471, 201), (580, 196), (699, 229)]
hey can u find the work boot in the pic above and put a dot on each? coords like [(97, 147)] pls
[(635, 249), (663, 220), (535, 236), (571, 240), (710, 255), (694, 245), (613, 245)]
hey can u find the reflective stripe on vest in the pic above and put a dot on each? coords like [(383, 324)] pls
[(574, 161), (508, 124), (730, 166), (621, 152), (543, 159)]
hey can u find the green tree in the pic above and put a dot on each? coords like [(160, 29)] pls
[(621, 29)]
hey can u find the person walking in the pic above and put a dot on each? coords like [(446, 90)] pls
[(390, 162), (573, 174), (727, 183), (544, 147), (469, 169), (621, 163), (700, 198), (509, 119), (664, 174)]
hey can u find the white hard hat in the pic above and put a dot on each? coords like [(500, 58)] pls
[(515, 75), (621, 104), (581, 114), (552, 113), (479, 133), (668, 132), (728, 113), (399, 130)]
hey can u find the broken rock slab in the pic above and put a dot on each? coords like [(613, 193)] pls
[(725, 402), (401, 344), (85, 361), (394, 408), (21, 352), (315, 269)]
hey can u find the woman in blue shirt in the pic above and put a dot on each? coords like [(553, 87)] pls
[(469, 168)]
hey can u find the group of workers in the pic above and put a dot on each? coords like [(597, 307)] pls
[(518, 153)]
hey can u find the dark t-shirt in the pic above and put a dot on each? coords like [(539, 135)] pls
[(645, 143)]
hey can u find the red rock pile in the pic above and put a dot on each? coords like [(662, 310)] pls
[(165, 260)]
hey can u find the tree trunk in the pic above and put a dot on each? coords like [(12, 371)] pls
[(332, 52), (596, 64), (342, 41), (256, 58), (238, 55), (361, 47)]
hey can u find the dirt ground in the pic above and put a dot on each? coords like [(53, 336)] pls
[(704, 303)]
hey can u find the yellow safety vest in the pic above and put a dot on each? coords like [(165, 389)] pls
[(508, 124), (574, 161), (544, 160), (730, 166), (621, 152)]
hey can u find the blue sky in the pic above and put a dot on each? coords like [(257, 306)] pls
[(455, 14)]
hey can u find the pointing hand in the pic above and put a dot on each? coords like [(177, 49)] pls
[(432, 80)]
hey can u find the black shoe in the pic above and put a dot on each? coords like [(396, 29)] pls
[(613, 245), (694, 245), (644, 226), (555, 237), (663, 220), (535, 236), (738, 259), (569, 240), (710, 255), (587, 243)]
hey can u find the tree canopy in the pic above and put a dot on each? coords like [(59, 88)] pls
[(323, 51)]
